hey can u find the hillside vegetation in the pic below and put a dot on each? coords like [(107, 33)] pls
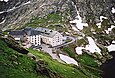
[(14, 64)]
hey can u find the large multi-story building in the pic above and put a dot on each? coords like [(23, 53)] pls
[(50, 37), (28, 36), (31, 36)]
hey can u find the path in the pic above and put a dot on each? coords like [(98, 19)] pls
[(49, 51), (73, 39)]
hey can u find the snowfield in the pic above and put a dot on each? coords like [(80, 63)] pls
[(78, 22), (79, 50), (92, 47), (113, 10), (68, 59), (111, 47)]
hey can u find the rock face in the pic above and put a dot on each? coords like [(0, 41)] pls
[(16, 13), (12, 43)]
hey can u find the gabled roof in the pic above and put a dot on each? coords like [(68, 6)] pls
[(46, 32), (27, 29), (34, 32), (30, 31)]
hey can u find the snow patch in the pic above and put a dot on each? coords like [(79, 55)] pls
[(99, 25), (111, 47), (113, 42), (19, 6), (27, 3), (3, 21), (68, 59), (11, 9), (67, 33), (4, 0), (107, 31), (74, 28), (78, 22), (1, 12), (112, 26), (92, 47), (102, 17), (113, 10), (79, 50), (14, 6)]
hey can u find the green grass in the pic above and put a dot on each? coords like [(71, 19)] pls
[(66, 71), (51, 21), (16, 65), (88, 65), (69, 52), (55, 17), (88, 60)]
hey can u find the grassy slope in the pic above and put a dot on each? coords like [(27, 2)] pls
[(15, 65), (67, 71), (88, 63), (51, 21)]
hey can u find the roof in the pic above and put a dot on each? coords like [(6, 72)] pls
[(34, 32), (27, 29), (17, 32), (30, 31), (46, 32)]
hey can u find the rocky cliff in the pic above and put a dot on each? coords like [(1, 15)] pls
[(18, 12)]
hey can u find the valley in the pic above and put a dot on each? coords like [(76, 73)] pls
[(87, 28)]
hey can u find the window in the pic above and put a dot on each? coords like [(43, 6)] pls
[(58, 40)]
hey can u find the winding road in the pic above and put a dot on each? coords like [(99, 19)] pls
[(50, 50), (73, 39)]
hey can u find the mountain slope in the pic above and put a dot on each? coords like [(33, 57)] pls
[(17, 13), (14, 64)]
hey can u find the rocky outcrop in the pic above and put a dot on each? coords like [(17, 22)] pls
[(12, 43), (42, 68), (19, 12)]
